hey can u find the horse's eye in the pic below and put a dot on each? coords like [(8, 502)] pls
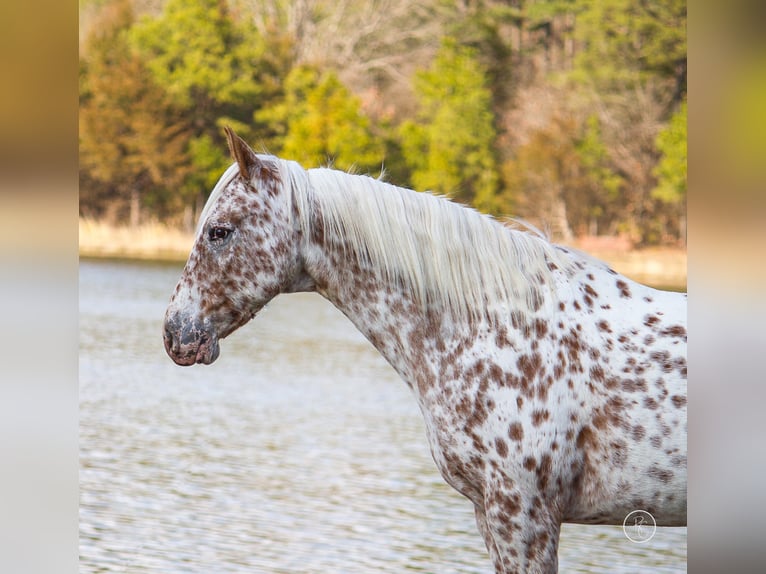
[(218, 233)]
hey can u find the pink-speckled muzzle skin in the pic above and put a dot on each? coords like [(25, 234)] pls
[(188, 342)]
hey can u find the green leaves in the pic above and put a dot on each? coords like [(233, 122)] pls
[(198, 53), (323, 123), (671, 169), (449, 144), (629, 41)]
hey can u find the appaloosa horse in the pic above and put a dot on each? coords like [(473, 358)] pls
[(553, 388)]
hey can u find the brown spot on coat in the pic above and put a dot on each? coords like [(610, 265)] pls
[(624, 289), (529, 365), (597, 373), (541, 328), (650, 320), (501, 447), (674, 331), (678, 401), (516, 431), (538, 416), (619, 454), (634, 385), (586, 439), (604, 326), (544, 471), (660, 474)]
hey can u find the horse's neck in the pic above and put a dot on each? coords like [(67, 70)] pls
[(383, 311), (399, 294), (418, 340)]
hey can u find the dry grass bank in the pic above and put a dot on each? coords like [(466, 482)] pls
[(660, 266), (150, 241)]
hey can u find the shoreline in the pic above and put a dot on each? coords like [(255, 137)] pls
[(151, 241), (661, 267)]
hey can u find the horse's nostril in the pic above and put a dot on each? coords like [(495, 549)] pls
[(167, 338)]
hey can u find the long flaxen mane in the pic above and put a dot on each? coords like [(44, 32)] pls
[(451, 257)]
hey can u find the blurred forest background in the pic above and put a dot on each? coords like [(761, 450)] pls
[(570, 114)]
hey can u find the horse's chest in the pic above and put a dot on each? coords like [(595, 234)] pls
[(472, 419), (457, 457)]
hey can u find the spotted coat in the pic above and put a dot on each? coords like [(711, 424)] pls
[(569, 409)]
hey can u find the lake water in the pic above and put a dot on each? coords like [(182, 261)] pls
[(298, 451)]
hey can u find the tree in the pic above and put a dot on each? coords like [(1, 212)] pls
[(131, 140), (595, 199), (671, 169), (631, 71), (449, 144), (628, 41), (569, 96), (323, 123), (559, 179), (200, 54), (216, 67)]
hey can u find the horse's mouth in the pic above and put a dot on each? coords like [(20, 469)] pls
[(208, 351), (191, 346), (205, 353), (189, 340)]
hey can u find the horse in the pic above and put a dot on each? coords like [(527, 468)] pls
[(553, 388)]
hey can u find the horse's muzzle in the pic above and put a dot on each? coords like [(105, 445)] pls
[(188, 342)]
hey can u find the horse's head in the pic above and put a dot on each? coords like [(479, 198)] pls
[(246, 252)]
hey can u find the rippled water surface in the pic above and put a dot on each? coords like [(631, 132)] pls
[(298, 451)]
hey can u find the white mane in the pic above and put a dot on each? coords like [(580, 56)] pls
[(447, 254)]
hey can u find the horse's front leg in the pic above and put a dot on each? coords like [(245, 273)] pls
[(489, 541), (521, 533)]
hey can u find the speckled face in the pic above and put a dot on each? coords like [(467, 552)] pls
[(244, 255)]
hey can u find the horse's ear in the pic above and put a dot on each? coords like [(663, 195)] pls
[(242, 153)]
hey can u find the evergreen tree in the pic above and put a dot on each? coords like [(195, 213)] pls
[(323, 123), (671, 169), (449, 145), (595, 196), (671, 177), (218, 68), (631, 66), (131, 140), (628, 41)]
